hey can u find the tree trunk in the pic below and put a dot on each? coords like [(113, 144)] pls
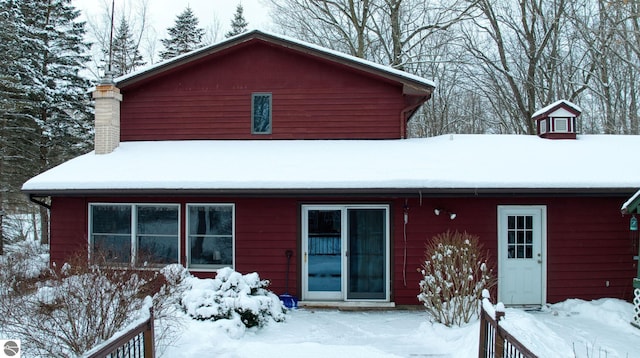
[(1, 232), (44, 225)]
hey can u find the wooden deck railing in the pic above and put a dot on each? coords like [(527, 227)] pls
[(495, 341), (135, 343)]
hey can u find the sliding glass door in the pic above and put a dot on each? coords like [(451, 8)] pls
[(345, 252)]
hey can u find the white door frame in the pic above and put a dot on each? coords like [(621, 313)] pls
[(503, 212), (318, 295), (343, 208)]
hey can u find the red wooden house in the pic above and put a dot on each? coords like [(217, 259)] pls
[(236, 153)]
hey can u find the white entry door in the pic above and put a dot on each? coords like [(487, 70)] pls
[(522, 255), (345, 252)]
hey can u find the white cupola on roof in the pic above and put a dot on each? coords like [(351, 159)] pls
[(557, 120)]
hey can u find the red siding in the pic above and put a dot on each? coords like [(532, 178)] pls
[(312, 99), (588, 242), (68, 229)]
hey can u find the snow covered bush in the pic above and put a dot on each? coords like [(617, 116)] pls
[(232, 296), (455, 271)]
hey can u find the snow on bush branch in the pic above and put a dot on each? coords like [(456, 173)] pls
[(242, 299), (68, 310), (455, 271)]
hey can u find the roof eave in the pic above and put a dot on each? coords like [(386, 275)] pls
[(400, 192), (410, 86)]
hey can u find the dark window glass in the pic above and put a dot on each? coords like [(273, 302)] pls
[(157, 249), (111, 219), (157, 234), (261, 113), (158, 220), (210, 235), (519, 237), (111, 233), (112, 248), (529, 252)]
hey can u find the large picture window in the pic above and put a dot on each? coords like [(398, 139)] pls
[(138, 234), (210, 238), (261, 113)]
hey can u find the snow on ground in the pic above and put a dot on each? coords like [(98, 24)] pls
[(573, 328)]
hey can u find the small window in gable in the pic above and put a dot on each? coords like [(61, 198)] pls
[(561, 125), (543, 126), (261, 113)]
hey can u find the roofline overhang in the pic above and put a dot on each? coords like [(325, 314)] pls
[(410, 86), (564, 105), (633, 206), (346, 192)]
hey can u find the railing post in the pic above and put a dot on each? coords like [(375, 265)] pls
[(148, 336), (483, 333), (499, 341)]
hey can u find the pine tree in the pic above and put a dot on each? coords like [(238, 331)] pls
[(184, 36), (58, 108), (238, 24), (126, 57), (17, 149)]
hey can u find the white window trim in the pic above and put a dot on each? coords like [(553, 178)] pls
[(210, 268), (134, 236), (543, 126)]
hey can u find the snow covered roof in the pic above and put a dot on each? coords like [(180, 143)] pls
[(274, 38), (554, 105), (470, 163)]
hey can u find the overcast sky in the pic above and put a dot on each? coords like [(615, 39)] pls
[(162, 13), (214, 17)]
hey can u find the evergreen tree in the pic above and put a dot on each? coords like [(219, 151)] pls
[(184, 36), (126, 57), (15, 132), (238, 24), (58, 109)]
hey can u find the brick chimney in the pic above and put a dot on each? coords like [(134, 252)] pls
[(107, 117)]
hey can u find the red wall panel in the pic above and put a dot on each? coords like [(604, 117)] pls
[(588, 242), (68, 231), (311, 99)]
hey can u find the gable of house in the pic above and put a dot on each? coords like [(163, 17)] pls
[(312, 94)]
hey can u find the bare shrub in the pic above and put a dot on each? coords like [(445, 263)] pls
[(23, 264), (455, 272), (74, 307), (166, 304)]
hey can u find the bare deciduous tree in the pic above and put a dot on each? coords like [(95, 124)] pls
[(136, 15)]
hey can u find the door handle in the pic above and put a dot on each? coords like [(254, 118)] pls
[(305, 257)]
